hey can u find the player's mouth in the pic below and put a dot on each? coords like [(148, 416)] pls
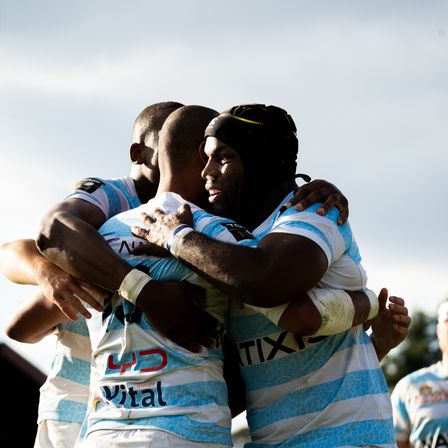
[(214, 194)]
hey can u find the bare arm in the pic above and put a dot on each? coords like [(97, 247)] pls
[(302, 318), (22, 263), (35, 319), (263, 276), (402, 444), (69, 238)]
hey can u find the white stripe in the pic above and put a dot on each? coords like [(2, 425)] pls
[(74, 345), (335, 414), (57, 388), (208, 414)]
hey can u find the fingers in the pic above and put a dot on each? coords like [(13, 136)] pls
[(147, 219), (402, 320), (197, 293), (148, 248), (396, 300), (140, 232), (71, 306), (382, 299), (319, 190), (91, 296), (311, 198), (338, 201)]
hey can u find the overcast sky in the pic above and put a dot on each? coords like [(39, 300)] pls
[(366, 82)]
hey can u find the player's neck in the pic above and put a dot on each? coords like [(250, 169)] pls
[(445, 362), (145, 189), (185, 187), (269, 204)]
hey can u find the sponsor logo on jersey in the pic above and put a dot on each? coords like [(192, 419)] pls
[(237, 231), (141, 396), (89, 185), (426, 394), (141, 361), (273, 346)]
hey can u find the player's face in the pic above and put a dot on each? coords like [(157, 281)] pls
[(442, 334), (223, 175)]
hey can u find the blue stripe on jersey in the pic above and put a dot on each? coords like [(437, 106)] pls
[(430, 428), (181, 425), (251, 326), (429, 376), (366, 432), (77, 327), (288, 368), (316, 398), (133, 200), (77, 370), (364, 338), (67, 411)]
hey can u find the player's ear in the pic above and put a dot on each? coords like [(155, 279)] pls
[(137, 153), (202, 152)]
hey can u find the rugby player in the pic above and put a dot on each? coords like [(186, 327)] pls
[(316, 391)]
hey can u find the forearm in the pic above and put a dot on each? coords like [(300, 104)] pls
[(77, 248), (381, 352), (272, 274), (21, 261), (34, 319), (336, 311)]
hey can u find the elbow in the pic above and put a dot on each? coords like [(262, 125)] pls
[(3, 255), (15, 333), (50, 228)]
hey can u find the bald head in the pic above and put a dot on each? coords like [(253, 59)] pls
[(182, 134), (151, 119)]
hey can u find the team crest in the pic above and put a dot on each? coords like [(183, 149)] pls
[(238, 232), (425, 390), (89, 184)]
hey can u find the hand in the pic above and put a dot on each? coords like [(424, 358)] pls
[(391, 326), (176, 310), (160, 225), (66, 291), (321, 190)]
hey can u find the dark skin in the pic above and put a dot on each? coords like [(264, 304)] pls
[(263, 276)]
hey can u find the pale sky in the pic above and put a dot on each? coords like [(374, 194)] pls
[(366, 82)]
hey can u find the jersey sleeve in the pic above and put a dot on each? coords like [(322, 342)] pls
[(402, 424), (111, 197), (334, 240)]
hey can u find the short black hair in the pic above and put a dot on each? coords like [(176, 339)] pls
[(265, 137), (151, 119), (183, 132)]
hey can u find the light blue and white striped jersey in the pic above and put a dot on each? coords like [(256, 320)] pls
[(142, 380), (112, 196), (313, 391), (65, 393), (420, 404)]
